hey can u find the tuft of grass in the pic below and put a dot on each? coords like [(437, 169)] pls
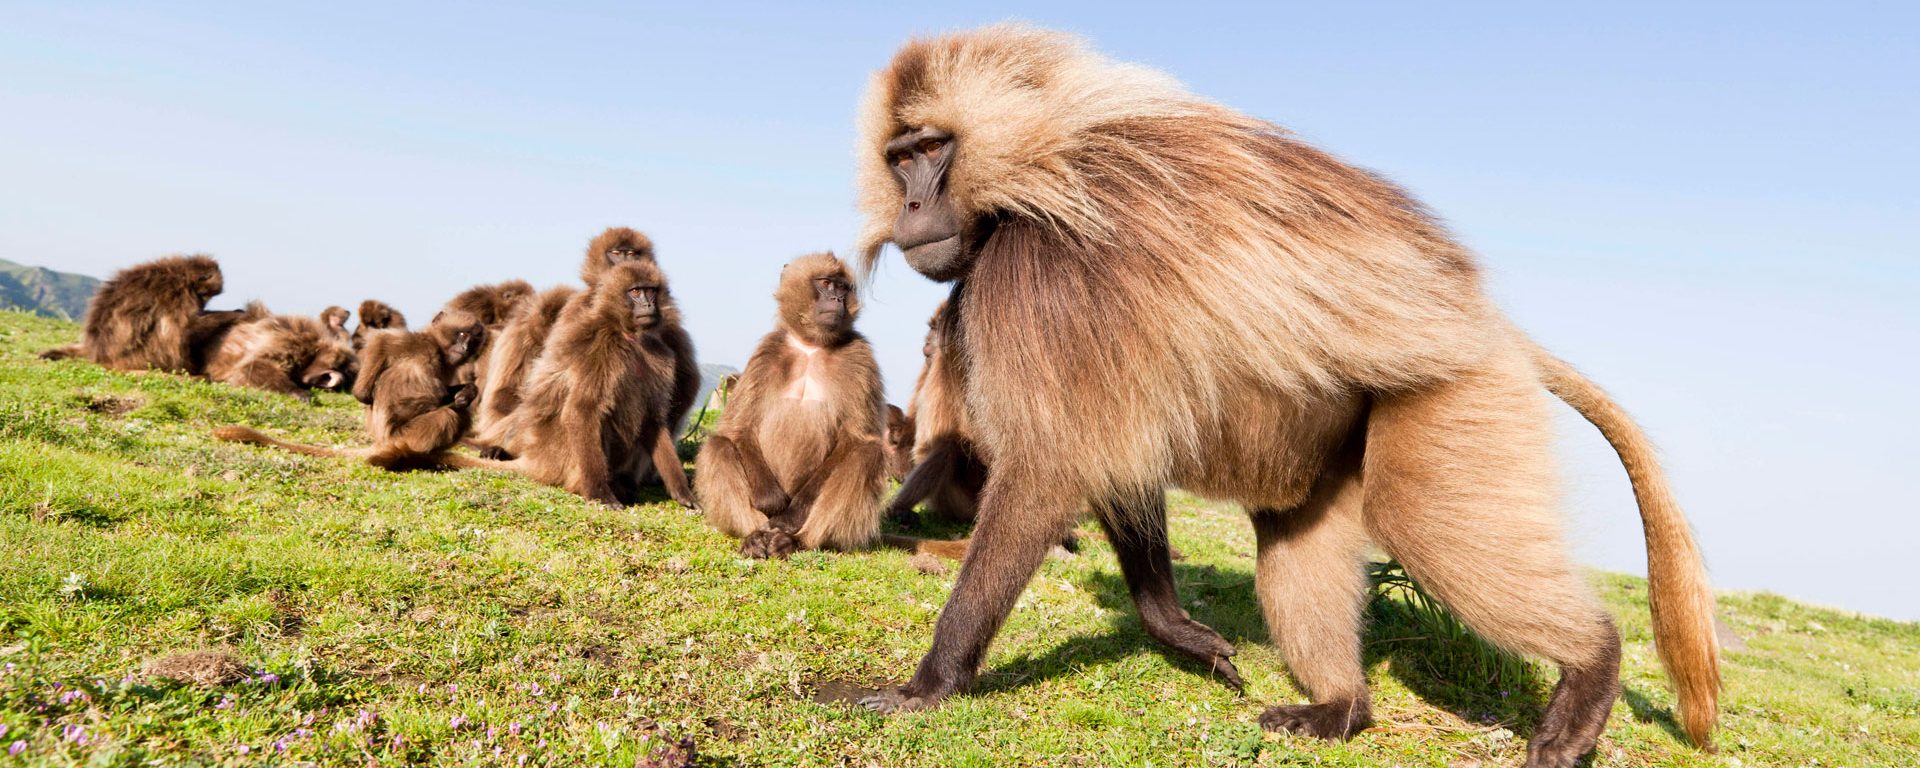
[(454, 618)]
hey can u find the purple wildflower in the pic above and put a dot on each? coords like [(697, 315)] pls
[(268, 678), (521, 760), (281, 745), (17, 747), (513, 728), (73, 732), (246, 750), (226, 702), (3, 730), (456, 721)]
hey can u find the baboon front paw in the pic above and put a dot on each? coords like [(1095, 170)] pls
[(463, 396), (902, 516), (1556, 748), (495, 453), (895, 700), (769, 543), (1333, 721), (1229, 675)]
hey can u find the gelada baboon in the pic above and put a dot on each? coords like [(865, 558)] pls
[(335, 319), (1151, 289), (596, 404), (413, 415), (376, 315), (289, 354), (521, 340), (898, 440), (795, 461), (947, 472), (152, 315)]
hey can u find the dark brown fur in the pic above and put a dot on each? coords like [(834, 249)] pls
[(1152, 290), (511, 356), (152, 315), (376, 315), (289, 354), (594, 420), (413, 416)]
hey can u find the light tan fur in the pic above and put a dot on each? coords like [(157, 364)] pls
[(795, 436), (1173, 293), (289, 354)]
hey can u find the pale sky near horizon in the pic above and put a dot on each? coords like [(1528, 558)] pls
[(1710, 209)]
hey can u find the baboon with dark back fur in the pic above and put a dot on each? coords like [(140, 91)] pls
[(512, 354), (413, 415), (289, 354), (595, 418), (1153, 290), (152, 315), (376, 315)]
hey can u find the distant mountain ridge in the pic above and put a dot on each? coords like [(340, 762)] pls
[(45, 292)]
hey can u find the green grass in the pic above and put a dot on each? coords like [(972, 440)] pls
[(435, 617)]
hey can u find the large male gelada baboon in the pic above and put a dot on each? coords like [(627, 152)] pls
[(152, 315), (1155, 290), (595, 416), (413, 415)]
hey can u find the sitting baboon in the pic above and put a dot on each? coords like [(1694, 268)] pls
[(492, 305), (376, 316), (898, 440), (947, 472), (289, 354), (1154, 290), (413, 415), (796, 459), (152, 315), (520, 342), (595, 406), (335, 319)]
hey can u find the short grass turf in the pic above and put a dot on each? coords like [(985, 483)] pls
[(456, 618)]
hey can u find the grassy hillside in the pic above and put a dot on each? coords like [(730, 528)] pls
[(45, 292), (474, 618)]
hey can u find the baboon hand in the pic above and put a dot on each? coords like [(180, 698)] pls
[(894, 700), (769, 544), (687, 500), (463, 396), (902, 516)]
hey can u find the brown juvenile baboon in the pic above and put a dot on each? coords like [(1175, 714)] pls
[(152, 315), (596, 403), (947, 472), (1154, 290), (490, 304), (796, 461), (289, 354), (520, 342), (335, 319), (898, 441), (413, 416), (376, 316)]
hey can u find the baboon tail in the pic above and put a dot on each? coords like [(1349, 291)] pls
[(955, 549), (61, 353), (1677, 590), (463, 461), (235, 433)]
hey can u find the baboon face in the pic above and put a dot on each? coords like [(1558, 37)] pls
[(458, 334), (332, 368), (207, 282), (643, 288), (830, 305), (937, 240)]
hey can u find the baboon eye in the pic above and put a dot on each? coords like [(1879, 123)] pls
[(932, 146)]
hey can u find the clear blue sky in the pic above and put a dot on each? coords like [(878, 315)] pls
[(1711, 209)]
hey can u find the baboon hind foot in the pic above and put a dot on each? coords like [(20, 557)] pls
[(1332, 720)]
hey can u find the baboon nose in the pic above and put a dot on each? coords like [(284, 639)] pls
[(329, 380)]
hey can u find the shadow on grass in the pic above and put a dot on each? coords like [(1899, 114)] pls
[(1459, 673), (1644, 710)]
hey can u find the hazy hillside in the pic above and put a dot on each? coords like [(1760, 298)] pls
[(44, 292), (471, 618)]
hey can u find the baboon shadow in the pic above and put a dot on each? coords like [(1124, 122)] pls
[(1218, 598), (1644, 710), (1460, 673)]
